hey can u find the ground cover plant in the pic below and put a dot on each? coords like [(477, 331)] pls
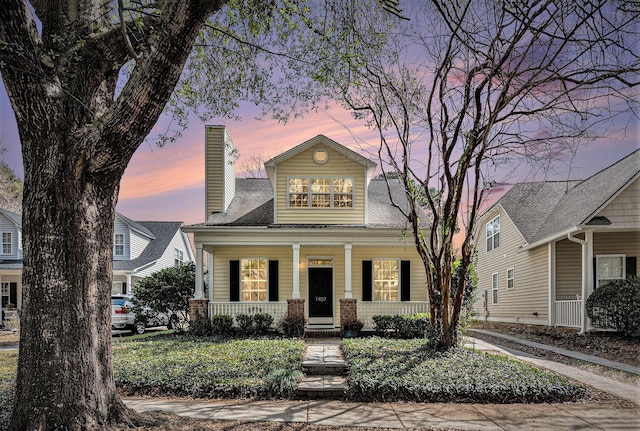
[(209, 368), (395, 370), (8, 363)]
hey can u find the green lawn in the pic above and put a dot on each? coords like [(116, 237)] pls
[(390, 370)]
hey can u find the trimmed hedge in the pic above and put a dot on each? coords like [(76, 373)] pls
[(411, 370), (617, 305), (223, 325)]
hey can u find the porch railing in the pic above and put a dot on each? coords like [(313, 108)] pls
[(366, 309), (277, 309), (569, 313)]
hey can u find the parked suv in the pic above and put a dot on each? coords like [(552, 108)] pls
[(122, 316)]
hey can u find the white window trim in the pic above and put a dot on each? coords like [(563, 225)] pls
[(5, 289), (493, 234), (115, 244), (373, 279), (512, 279), (266, 280), (331, 192), (624, 268), (178, 257), (10, 243), (495, 287)]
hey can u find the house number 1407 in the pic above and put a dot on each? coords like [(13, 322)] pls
[(321, 298)]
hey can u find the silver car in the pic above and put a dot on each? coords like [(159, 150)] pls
[(122, 316)]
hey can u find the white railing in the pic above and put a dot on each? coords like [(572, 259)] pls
[(368, 309), (569, 313), (277, 309)]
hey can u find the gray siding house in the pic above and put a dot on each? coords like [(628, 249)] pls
[(545, 246)]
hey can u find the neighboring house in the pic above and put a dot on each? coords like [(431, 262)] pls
[(140, 249), (319, 230), (544, 247)]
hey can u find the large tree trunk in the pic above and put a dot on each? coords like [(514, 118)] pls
[(65, 340)]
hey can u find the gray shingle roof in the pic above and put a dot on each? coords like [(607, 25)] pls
[(253, 205), (162, 232), (16, 218), (136, 225), (542, 210)]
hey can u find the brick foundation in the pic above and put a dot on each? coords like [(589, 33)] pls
[(295, 308), (198, 306), (348, 309)]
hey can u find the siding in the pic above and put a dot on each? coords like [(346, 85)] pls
[(167, 259), (302, 165), (568, 270), (624, 210), (123, 228), (219, 169), (627, 243), (137, 245), (530, 292), (9, 226)]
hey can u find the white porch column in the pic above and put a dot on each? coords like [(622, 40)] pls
[(551, 255), (585, 282), (199, 275), (347, 271), (210, 275), (129, 284), (590, 282), (296, 271)]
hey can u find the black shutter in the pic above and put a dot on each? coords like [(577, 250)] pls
[(405, 280), (124, 287), (367, 284), (13, 294), (234, 280), (631, 266), (273, 281), (595, 274)]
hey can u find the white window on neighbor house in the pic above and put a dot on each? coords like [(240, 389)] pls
[(610, 267), (494, 288), (118, 244), (6, 243), (253, 279), (386, 279), (178, 257), (493, 234), (326, 192), (510, 278), (5, 295), (117, 288)]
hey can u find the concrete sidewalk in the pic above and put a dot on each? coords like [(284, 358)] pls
[(540, 417)]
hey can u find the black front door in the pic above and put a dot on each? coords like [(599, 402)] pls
[(320, 296)]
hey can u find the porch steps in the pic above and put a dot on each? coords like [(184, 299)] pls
[(311, 332), (325, 370)]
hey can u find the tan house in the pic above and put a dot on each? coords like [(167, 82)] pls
[(319, 231), (544, 247)]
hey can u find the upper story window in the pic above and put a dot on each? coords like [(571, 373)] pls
[(178, 257), (326, 192), (118, 244), (6, 243), (386, 278), (493, 234), (511, 278), (253, 279)]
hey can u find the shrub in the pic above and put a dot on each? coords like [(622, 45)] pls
[(617, 305), (293, 326), (282, 382), (256, 324), (245, 324), (222, 325), (262, 323), (403, 327), (201, 326)]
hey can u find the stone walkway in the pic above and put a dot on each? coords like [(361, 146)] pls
[(324, 369)]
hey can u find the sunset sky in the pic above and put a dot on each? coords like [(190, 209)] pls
[(168, 183)]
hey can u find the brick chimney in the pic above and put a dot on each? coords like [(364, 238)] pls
[(219, 174)]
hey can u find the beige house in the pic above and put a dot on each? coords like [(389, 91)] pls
[(319, 230), (544, 247)]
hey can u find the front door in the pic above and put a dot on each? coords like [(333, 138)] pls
[(320, 296)]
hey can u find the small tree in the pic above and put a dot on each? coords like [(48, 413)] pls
[(167, 291)]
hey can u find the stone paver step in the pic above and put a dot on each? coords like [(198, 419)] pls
[(322, 387), (328, 368)]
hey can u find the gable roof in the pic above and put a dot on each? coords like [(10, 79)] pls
[(162, 233), (137, 226), (15, 218), (253, 205), (320, 139), (544, 210)]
